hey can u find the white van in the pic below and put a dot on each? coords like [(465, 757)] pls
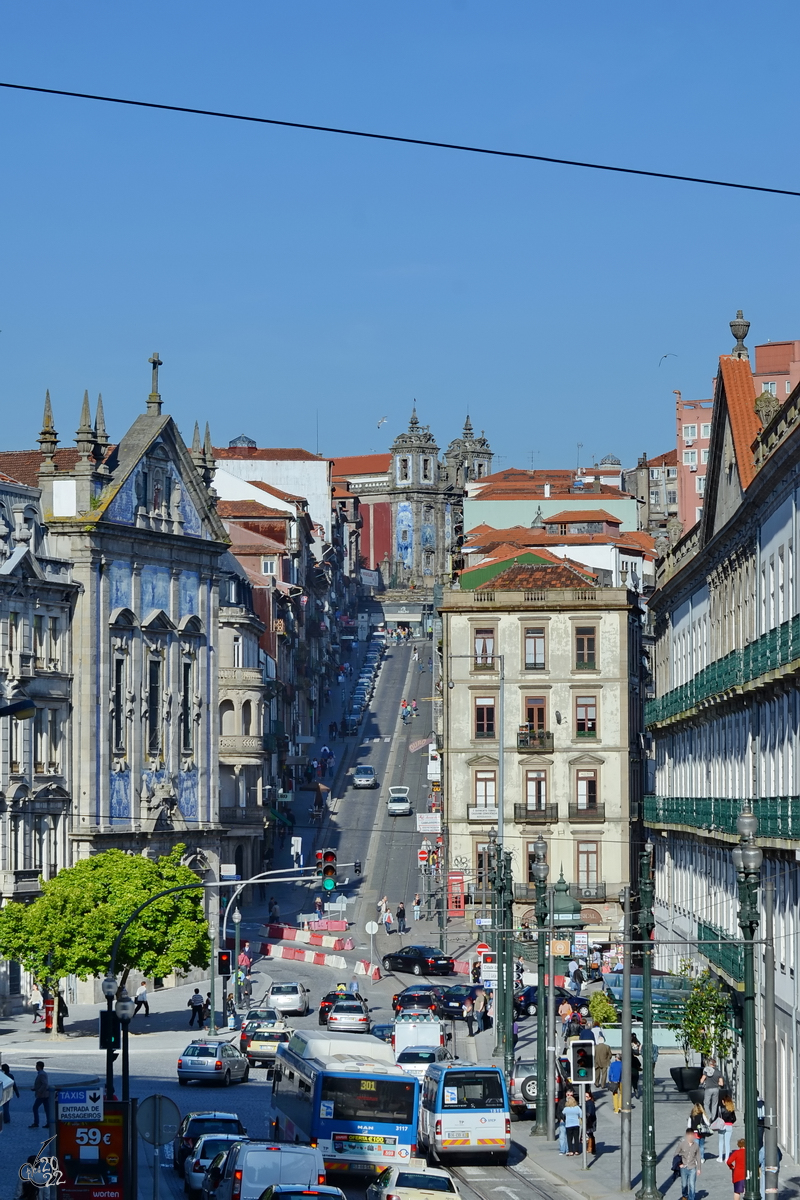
[(417, 1029), (251, 1167)]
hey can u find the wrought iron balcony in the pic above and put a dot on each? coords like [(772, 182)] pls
[(534, 741), (587, 892), (536, 816), (778, 816), (722, 951), (595, 813)]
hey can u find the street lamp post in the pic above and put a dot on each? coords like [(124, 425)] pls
[(109, 986), (508, 980), (124, 1009), (649, 1190), (747, 859), (540, 872), (236, 917)]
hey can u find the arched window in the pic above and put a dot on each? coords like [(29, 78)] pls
[(246, 717), (227, 719)]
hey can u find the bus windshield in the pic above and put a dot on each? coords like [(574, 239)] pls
[(369, 1099), (472, 1089)]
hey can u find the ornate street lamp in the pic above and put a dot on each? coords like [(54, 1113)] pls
[(747, 859), (540, 871), (124, 1008), (649, 1189), (236, 917), (109, 986)]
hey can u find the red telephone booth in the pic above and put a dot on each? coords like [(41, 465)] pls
[(455, 892), (49, 1006)]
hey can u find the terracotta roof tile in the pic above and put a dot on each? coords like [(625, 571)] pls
[(249, 509), (740, 394), (586, 514), (535, 491), (361, 464), (244, 541), (268, 455), (288, 497), (669, 459), (24, 465), (524, 577)]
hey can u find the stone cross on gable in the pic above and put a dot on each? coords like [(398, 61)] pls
[(154, 400), (156, 361)]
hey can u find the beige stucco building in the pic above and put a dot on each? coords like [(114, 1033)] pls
[(540, 706)]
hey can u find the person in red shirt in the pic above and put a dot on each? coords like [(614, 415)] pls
[(736, 1162)]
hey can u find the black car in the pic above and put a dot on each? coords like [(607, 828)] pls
[(451, 1004), (526, 1001), (329, 999), (420, 960), (420, 996)]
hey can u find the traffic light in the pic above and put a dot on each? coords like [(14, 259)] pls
[(109, 1030), (319, 863), (329, 870), (582, 1061), (357, 867), (224, 961)]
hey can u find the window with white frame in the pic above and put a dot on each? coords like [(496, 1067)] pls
[(788, 387), (586, 791), (535, 648), (655, 497), (655, 472), (690, 458), (689, 433), (485, 789), (769, 386), (269, 566), (588, 856), (705, 430), (698, 512), (672, 472), (672, 496), (700, 485), (483, 645), (237, 650), (703, 457)]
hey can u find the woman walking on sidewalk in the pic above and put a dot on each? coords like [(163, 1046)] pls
[(572, 1123), (727, 1115)]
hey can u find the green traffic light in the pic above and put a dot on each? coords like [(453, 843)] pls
[(329, 884)]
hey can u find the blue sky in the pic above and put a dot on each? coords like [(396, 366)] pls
[(284, 274)]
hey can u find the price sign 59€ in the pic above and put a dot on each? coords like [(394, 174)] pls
[(91, 1157)]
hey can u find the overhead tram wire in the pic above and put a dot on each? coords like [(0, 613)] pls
[(409, 141)]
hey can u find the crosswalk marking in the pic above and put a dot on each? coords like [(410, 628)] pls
[(387, 739)]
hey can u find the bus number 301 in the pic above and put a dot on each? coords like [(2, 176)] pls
[(91, 1137)]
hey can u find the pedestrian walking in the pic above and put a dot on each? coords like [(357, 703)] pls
[(591, 1122), (417, 907), (383, 904), (245, 957), (514, 1033), (565, 1016), (737, 1165), (41, 1095), (7, 1106), (602, 1061), (388, 921), (479, 1007), (691, 1164), (414, 709), (468, 1012), (727, 1116), (476, 971), (319, 908), (572, 1123), (615, 1081), (400, 913), (36, 1003), (196, 1004), (415, 655), (697, 1124), (140, 999), (711, 1081), (578, 980), (207, 1007), (62, 1012), (636, 1070)]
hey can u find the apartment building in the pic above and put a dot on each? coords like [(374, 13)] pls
[(693, 437), (541, 722)]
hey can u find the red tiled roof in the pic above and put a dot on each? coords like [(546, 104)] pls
[(588, 514), (531, 490), (521, 536), (255, 452), (279, 492), (249, 509), (24, 465), (670, 459), (342, 493), (361, 464), (244, 541), (740, 394), (527, 577)]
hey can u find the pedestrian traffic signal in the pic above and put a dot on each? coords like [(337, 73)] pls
[(319, 862), (109, 1030), (582, 1061), (329, 870), (357, 867), (224, 962)]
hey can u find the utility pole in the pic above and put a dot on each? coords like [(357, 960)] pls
[(551, 1027), (747, 859), (540, 873), (498, 922), (770, 1049), (508, 995), (649, 1189), (625, 1085)]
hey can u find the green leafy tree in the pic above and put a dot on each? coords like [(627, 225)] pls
[(705, 1022), (601, 1010), (71, 927)]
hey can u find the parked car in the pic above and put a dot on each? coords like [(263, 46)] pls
[(451, 1004), (365, 777), (421, 996), (526, 1001), (349, 1016), (415, 1059), (200, 1157), (213, 1176), (412, 1183), (329, 999), (210, 1061), (288, 998), (420, 960), (195, 1125), (522, 1086), (264, 1042), (399, 803), (251, 1167), (351, 724)]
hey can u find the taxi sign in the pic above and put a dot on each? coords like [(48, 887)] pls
[(80, 1104)]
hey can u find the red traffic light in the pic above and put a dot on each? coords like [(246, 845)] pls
[(224, 960), (329, 856)]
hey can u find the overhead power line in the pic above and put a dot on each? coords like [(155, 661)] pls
[(409, 141)]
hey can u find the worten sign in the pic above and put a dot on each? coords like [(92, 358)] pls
[(80, 1104)]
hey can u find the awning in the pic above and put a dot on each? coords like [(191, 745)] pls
[(280, 817)]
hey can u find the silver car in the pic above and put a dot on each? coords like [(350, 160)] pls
[(209, 1061), (365, 777), (200, 1156), (288, 998), (416, 1059), (349, 1016)]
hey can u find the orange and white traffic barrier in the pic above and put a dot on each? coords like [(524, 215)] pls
[(362, 967), (287, 933), (310, 956)]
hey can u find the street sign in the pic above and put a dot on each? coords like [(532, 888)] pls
[(158, 1119), (429, 822), (483, 921), (371, 928), (80, 1104), (422, 855), (489, 975), (481, 947)]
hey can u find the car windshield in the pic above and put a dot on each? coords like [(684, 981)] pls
[(271, 1035), (200, 1125), (457, 992), (284, 989), (428, 1183), (473, 1089), (347, 1008), (211, 1147), (417, 1056), (365, 770)]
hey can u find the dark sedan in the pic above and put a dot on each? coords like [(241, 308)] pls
[(419, 996), (329, 999), (420, 960), (451, 1004), (526, 1001)]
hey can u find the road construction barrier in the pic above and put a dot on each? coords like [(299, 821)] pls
[(310, 956), (362, 967), (287, 933)]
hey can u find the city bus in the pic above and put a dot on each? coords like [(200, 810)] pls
[(344, 1094), (464, 1111)]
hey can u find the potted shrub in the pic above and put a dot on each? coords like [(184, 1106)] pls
[(704, 1029)]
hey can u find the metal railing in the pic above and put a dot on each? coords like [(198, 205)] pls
[(587, 892), (534, 740), (721, 950), (536, 816), (595, 813), (778, 816)]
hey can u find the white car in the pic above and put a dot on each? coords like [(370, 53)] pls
[(365, 777), (399, 802), (416, 1059), (199, 1159), (412, 1183), (288, 998)]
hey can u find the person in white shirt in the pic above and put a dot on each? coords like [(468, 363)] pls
[(140, 999)]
